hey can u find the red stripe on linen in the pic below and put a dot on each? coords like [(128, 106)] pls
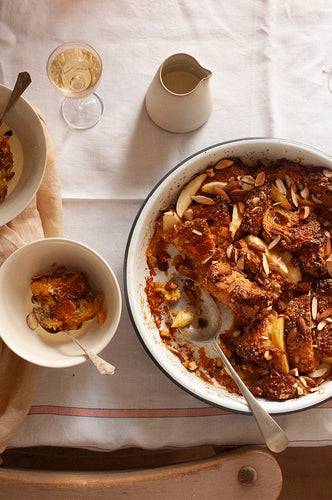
[(135, 413), (125, 413)]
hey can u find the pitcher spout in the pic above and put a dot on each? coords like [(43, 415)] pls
[(181, 73)]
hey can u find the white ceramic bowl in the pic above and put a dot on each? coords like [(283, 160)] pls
[(136, 271), (28, 145), (43, 256)]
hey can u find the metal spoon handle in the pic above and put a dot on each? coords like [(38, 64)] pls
[(102, 366), (22, 82), (275, 438)]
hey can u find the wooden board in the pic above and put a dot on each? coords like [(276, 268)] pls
[(245, 473)]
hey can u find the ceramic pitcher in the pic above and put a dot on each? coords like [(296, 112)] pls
[(179, 98)]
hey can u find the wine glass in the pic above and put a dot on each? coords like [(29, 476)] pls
[(75, 68)]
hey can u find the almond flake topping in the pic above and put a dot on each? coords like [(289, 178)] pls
[(247, 187), (289, 180), (305, 193), (229, 250), (280, 185), (248, 179), (240, 263), (274, 242), (223, 194), (207, 259), (294, 198), (265, 265), (223, 164), (321, 325), (260, 179), (314, 308), (327, 172), (304, 212), (203, 200)]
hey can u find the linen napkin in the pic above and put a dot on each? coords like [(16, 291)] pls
[(41, 218)]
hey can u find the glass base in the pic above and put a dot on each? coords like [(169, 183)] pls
[(82, 113)]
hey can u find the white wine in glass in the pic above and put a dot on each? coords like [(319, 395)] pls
[(75, 68)]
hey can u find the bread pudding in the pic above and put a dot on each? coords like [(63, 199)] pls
[(6, 166), (63, 301), (257, 238)]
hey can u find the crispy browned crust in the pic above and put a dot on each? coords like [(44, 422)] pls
[(295, 233), (218, 219), (194, 238), (287, 206), (230, 286), (279, 387), (323, 337), (6, 166), (63, 300), (298, 333), (255, 207), (319, 184), (254, 345)]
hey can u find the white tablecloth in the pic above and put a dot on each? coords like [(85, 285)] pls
[(267, 59)]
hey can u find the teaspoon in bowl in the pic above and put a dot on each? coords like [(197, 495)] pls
[(275, 438), (102, 366), (22, 82)]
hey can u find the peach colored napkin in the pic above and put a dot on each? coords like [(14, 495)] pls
[(41, 218)]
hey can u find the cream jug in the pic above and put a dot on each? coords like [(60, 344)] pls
[(179, 98)]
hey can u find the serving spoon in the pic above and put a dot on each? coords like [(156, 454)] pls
[(102, 366), (275, 438), (22, 82)]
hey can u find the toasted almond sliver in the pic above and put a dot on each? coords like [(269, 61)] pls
[(248, 179), (260, 179), (256, 247), (274, 242), (327, 172), (240, 263), (203, 200), (265, 265), (289, 180), (223, 194), (229, 250), (223, 164), (321, 325), (304, 212), (314, 308), (280, 185), (305, 193), (294, 198), (247, 187)]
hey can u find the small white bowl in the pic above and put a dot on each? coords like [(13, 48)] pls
[(28, 145), (164, 194), (43, 256)]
